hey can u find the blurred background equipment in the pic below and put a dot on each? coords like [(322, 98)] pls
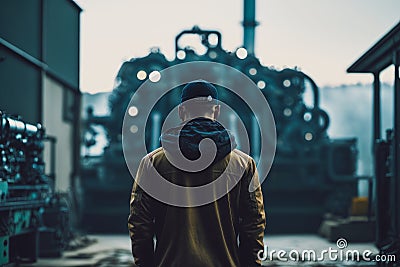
[(312, 174), (385, 53)]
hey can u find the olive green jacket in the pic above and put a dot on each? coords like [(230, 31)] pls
[(226, 232)]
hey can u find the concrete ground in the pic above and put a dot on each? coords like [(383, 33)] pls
[(114, 250)]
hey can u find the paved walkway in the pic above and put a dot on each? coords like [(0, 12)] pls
[(114, 250)]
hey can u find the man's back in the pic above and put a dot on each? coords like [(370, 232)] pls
[(206, 235)]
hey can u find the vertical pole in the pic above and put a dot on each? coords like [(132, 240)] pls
[(255, 138), (396, 144), (375, 145), (249, 24), (156, 131), (77, 113), (382, 191), (377, 108), (53, 158), (42, 55)]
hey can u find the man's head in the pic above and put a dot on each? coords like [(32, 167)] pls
[(199, 99)]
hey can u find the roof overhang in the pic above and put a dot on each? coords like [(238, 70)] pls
[(379, 56)]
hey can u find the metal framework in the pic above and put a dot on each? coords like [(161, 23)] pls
[(384, 53)]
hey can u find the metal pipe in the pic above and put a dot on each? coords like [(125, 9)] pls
[(396, 143), (249, 24)]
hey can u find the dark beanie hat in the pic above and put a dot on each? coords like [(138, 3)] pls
[(199, 88)]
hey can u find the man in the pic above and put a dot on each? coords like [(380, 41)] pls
[(228, 231)]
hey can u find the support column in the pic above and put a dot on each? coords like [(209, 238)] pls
[(396, 143), (377, 108)]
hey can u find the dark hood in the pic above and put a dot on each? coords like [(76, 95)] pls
[(189, 135)]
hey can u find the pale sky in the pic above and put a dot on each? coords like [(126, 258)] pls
[(321, 37)]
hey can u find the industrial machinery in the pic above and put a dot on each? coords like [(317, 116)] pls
[(33, 219), (312, 174)]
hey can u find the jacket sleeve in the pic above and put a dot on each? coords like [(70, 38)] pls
[(141, 223), (252, 218)]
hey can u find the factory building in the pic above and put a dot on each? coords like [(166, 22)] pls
[(39, 127), (39, 74)]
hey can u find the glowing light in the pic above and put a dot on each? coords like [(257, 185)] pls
[(253, 71), (213, 39), (181, 54), (261, 84), (134, 129), (308, 136), (307, 116), (241, 53), (286, 83), (133, 111), (141, 75), (287, 112), (155, 76), (212, 54)]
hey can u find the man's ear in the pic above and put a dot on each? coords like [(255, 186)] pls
[(181, 112), (217, 109)]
